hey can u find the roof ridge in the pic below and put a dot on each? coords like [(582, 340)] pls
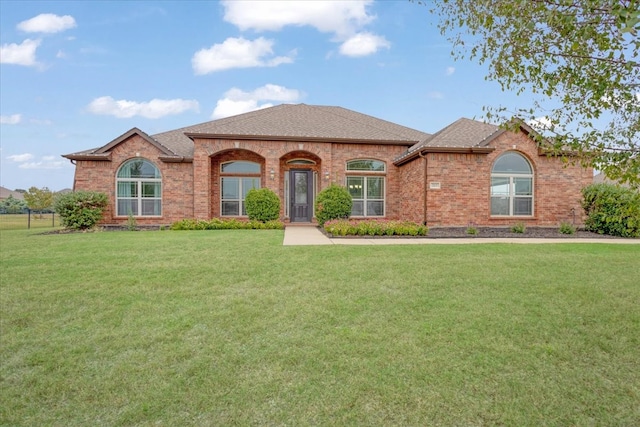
[(333, 112)]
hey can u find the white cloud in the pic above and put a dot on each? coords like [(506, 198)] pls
[(435, 95), (236, 101), (47, 23), (20, 54), (449, 71), (13, 119), (237, 53), (363, 44), (340, 17), (19, 158), (153, 109), (344, 19), (44, 164)]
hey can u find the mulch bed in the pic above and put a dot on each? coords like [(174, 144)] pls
[(490, 232)]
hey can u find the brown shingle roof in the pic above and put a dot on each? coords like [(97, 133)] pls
[(286, 121), (461, 134), (289, 121)]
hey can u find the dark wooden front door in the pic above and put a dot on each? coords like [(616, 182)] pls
[(301, 195)]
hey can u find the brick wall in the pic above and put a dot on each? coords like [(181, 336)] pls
[(191, 190), (330, 161), (177, 181), (464, 197)]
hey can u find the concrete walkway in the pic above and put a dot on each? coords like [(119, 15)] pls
[(311, 235)]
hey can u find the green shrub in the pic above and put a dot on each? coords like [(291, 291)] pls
[(334, 202), (226, 224), (518, 228), (472, 231), (612, 210), (345, 227), (80, 210), (132, 223), (262, 204), (567, 228)]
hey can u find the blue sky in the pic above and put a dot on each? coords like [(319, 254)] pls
[(76, 75)]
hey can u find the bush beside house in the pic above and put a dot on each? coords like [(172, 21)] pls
[(262, 205), (612, 210), (334, 202), (81, 210)]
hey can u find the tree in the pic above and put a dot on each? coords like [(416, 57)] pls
[(11, 205), (38, 199), (580, 60)]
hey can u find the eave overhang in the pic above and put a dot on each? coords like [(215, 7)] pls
[(176, 159), (453, 150), (236, 137), (101, 157)]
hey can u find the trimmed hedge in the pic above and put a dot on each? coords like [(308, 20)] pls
[(80, 210), (343, 227), (334, 202), (612, 210), (226, 224), (262, 204)]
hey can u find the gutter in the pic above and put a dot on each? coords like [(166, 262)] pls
[(455, 150)]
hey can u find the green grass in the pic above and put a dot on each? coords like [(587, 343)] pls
[(232, 328), (21, 221)]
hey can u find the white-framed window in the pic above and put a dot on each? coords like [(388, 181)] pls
[(512, 186), (138, 189), (366, 184), (237, 178)]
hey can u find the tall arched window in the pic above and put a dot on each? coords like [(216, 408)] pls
[(512, 186), (365, 182), (138, 189), (237, 178)]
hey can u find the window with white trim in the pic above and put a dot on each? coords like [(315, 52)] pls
[(366, 184), (237, 178), (138, 189), (512, 186)]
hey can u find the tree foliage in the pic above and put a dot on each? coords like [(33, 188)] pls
[(579, 59), (39, 199), (11, 205), (612, 209)]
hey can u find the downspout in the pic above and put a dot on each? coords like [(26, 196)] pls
[(424, 219)]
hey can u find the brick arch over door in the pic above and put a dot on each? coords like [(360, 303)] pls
[(300, 160), (226, 156)]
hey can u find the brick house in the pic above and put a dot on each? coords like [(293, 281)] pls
[(468, 172)]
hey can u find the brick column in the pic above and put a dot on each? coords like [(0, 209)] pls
[(201, 184)]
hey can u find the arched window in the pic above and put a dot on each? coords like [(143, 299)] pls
[(237, 178), (138, 189), (511, 186), (365, 182)]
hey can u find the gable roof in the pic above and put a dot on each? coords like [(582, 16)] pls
[(299, 122), (462, 135)]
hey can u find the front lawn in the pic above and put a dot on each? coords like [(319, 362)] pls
[(232, 328)]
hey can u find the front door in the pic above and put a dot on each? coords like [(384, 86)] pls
[(301, 195)]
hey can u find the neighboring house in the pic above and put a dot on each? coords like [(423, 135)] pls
[(5, 193), (468, 173)]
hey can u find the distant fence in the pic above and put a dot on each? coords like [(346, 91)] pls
[(30, 219)]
